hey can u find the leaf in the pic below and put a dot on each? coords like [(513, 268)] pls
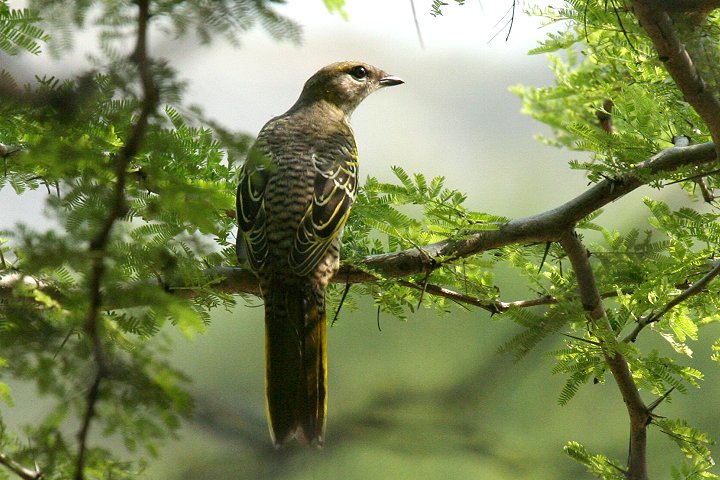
[(679, 347), (597, 464), (716, 351), (336, 6), (19, 32), (5, 394), (693, 443), (186, 318)]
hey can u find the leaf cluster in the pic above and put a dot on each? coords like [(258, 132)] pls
[(606, 69), (18, 30), (437, 6), (602, 61), (176, 222), (389, 217), (199, 19)]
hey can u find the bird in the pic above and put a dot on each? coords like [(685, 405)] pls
[(295, 192)]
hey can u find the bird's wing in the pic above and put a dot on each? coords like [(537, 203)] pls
[(335, 187), (252, 246)]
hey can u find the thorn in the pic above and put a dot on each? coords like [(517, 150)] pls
[(658, 401), (580, 339), (545, 254), (342, 301), (424, 288)]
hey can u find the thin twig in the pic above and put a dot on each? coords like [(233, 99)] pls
[(694, 289), (544, 257), (456, 297), (693, 177), (511, 12), (492, 306), (424, 289), (417, 25), (91, 400), (580, 339), (512, 20), (622, 26), (342, 301), (658, 401), (705, 191)]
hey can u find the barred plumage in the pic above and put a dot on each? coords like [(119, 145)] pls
[(295, 193)]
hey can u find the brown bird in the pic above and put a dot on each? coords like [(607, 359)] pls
[(296, 189)]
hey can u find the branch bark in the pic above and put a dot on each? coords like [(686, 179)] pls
[(592, 304), (679, 63), (543, 227)]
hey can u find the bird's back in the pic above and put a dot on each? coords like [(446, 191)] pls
[(305, 147)]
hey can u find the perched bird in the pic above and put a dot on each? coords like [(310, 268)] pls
[(296, 189)]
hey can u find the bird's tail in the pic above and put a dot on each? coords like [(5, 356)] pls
[(296, 362)]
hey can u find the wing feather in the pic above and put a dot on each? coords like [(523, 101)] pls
[(252, 245), (335, 188)]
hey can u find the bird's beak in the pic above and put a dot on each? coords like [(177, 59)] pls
[(390, 80)]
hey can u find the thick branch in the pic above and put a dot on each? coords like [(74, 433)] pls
[(540, 228), (659, 27), (592, 304)]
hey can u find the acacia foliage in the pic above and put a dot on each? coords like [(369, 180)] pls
[(616, 105), (177, 223), (614, 99), (175, 219)]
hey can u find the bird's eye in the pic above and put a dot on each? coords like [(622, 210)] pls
[(359, 72)]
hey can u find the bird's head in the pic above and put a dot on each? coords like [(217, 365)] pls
[(345, 85)]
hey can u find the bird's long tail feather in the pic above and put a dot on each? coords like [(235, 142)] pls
[(296, 362)]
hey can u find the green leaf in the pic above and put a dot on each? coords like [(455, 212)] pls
[(186, 318), (19, 32), (597, 464), (693, 442), (336, 6)]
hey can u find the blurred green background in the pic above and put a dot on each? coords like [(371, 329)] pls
[(430, 397)]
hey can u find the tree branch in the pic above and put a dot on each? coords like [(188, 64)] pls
[(492, 306), (19, 470), (540, 228), (659, 27), (592, 304), (98, 244), (692, 290)]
